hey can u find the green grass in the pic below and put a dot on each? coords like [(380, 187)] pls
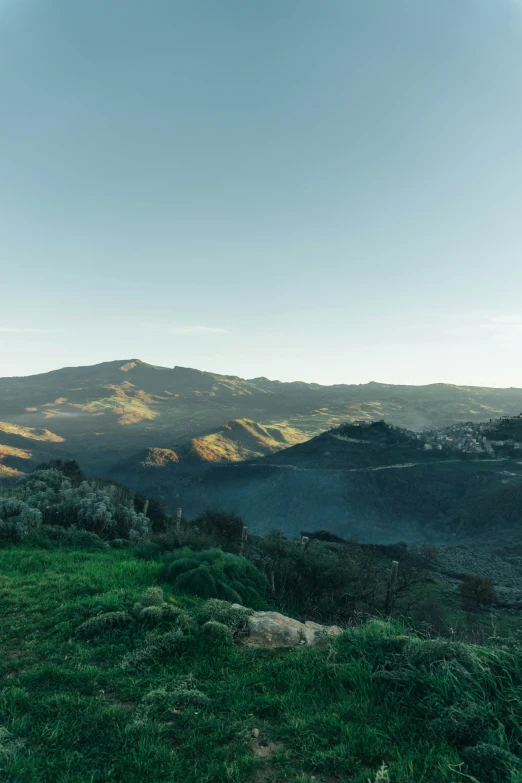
[(71, 714)]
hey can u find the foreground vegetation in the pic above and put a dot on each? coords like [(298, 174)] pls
[(122, 655), (104, 679)]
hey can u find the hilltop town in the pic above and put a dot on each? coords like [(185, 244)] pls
[(469, 437)]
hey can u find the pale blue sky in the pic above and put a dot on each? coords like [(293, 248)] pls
[(322, 190)]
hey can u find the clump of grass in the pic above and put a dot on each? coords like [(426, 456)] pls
[(157, 647), (153, 596), (9, 746), (162, 704), (493, 764), (103, 622), (429, 652), (224, 612)]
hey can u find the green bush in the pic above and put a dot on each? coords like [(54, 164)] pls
[(218, 632), (17, 519), (215, 574), (100, 506), (225, 527)]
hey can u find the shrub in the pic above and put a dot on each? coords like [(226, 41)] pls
[(215, 574), (153, 596), (225, 526), (102, 623), (153, 609), (101, 507), (218, 632), (17, 519), (477, 591)]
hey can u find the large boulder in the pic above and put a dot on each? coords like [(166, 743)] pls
[(271, 629)]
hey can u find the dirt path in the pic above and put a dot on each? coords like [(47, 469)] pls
[(368, 470)]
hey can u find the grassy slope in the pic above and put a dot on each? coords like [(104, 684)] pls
[(70, 708)]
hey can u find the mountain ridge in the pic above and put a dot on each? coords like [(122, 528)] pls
[(107, 412)]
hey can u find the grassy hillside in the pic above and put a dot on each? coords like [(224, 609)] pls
[(111, 411), (129, 701)]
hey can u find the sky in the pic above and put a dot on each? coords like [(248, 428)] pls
[(315, 190)]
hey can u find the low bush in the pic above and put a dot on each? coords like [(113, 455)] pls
[(477, 591), (224, 613), (218, 632), (17, 519), (215, 574), (162, 704), (102, 623)]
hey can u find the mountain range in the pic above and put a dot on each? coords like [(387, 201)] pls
[(108, 412)]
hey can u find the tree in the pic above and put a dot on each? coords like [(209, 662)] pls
[(477, 591)]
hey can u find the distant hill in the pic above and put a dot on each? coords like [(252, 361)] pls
[(238, 440), (105, 413), (379, 487)]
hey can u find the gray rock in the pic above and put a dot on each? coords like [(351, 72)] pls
[(272, 629)]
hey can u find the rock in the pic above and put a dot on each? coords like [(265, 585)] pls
[(272, 629), (255, 733), (334, 630)]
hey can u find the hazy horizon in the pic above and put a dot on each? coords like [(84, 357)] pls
[(326, 192)]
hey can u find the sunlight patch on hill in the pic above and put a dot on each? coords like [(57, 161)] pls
[(9, 473), (30, 433), (130, 410), (11, 451)]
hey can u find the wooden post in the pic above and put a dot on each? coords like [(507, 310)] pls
[(304, 542), (178, 520), (244, 537), (146, 507), (390, 596)]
